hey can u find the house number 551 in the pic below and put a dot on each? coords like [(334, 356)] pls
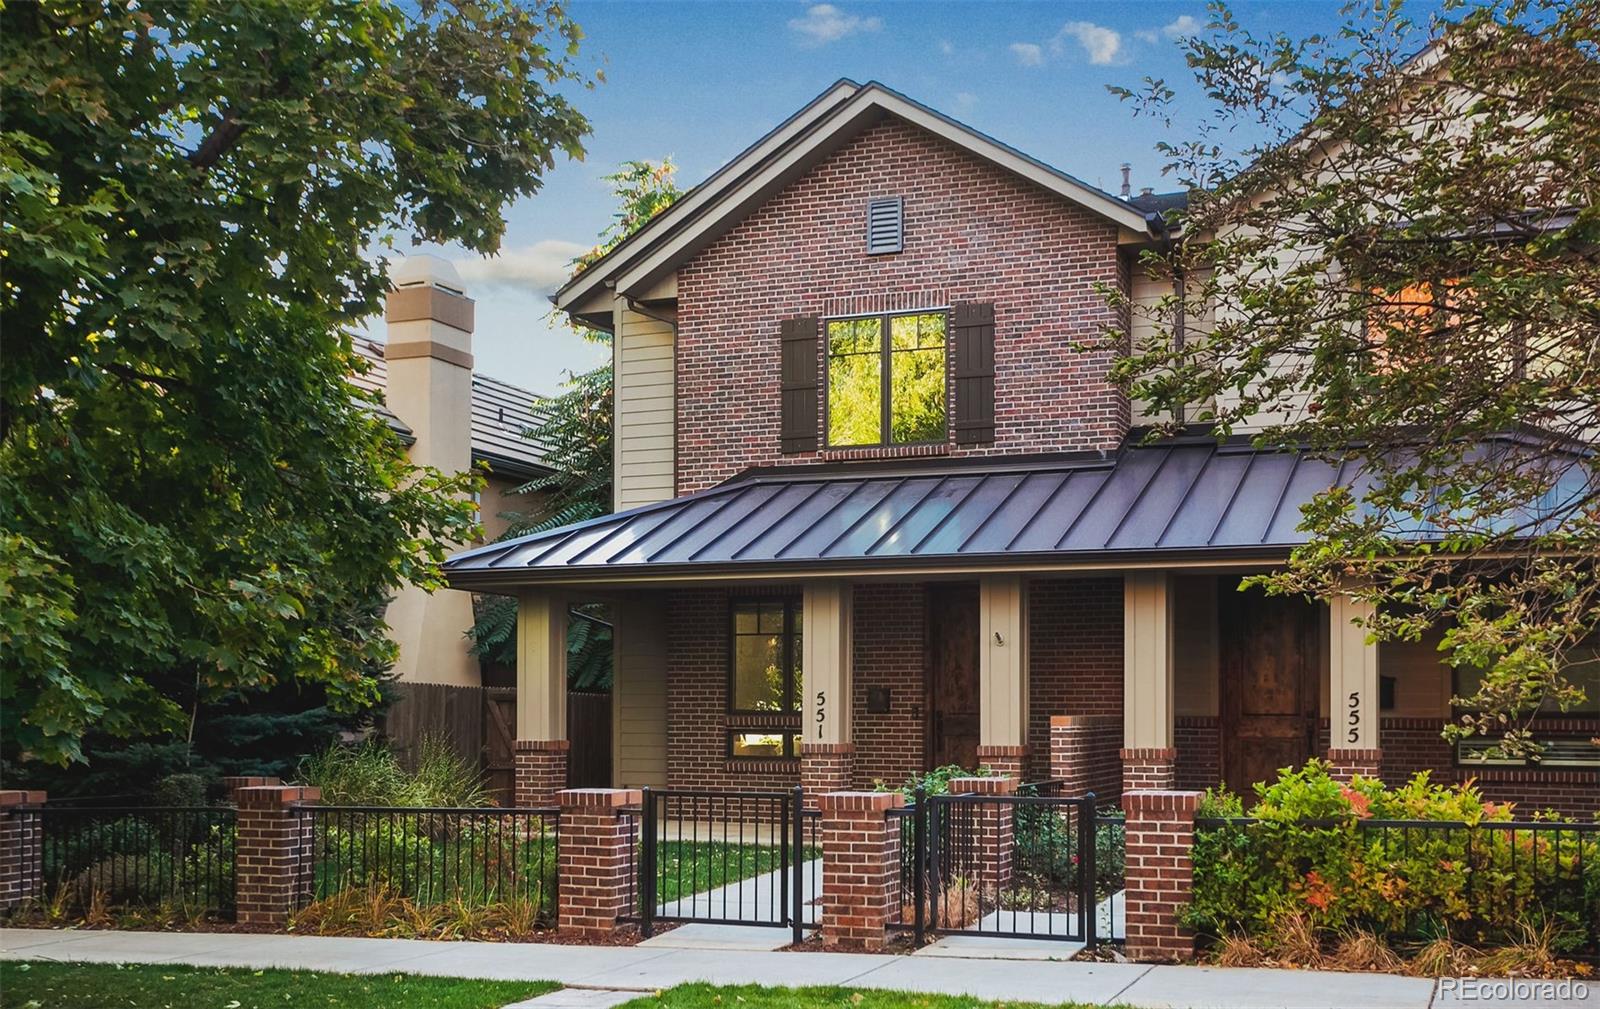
[(1353, 734), (822, 711)]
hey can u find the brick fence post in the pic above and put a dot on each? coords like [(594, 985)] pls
[(272, 855), (539, 771), (594, 844), (21, 848), (1160, 873), (990, 825), (860, 867)]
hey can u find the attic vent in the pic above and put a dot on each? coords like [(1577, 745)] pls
[(884, 220)]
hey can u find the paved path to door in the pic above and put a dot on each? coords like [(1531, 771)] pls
[(644, 969)]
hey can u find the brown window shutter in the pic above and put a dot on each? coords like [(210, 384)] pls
[(972, 333), (799, 375)]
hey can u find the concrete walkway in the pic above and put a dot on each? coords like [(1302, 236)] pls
[(643, 969)]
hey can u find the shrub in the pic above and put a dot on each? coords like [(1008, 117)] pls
[(369, 774), (1311, 855)]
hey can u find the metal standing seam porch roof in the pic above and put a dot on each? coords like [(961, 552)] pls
[(1169, 501)]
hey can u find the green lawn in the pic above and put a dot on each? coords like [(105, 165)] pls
[(43, 985), (705, 996)]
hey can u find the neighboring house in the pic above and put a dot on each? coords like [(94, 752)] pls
[(877, 514), (453, 419)]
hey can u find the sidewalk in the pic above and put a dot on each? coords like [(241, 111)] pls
[(648, 969)]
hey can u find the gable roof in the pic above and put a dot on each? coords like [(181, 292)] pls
[(796, 145), (501, 413)]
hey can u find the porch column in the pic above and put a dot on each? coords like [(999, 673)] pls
[(1003, 674), (1148, 753), (542, 745), (827, 748), (1353, 746)]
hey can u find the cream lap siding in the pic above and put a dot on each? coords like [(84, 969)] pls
[(645, 410), (1147, 292), (639, 694)]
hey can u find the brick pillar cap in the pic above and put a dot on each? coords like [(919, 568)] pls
[(859, 802), (1160, 801), (543, 745), (22, 797), (277, 796), (997, 784), (598, 798), (1150, 753), (1067, 721)]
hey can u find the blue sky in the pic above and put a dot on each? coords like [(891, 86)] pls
[(700, 81)]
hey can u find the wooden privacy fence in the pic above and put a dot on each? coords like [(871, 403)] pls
[(481, 724)]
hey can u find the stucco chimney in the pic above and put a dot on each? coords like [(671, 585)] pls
[(429, 355)]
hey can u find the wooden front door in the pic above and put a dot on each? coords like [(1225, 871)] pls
[(1267, 647), (952, 728)]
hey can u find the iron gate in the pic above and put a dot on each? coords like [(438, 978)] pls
[(1007, 866), (726, 857)]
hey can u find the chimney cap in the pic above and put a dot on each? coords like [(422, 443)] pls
[(423, 270)]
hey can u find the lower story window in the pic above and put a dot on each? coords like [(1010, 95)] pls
[(1567, 749), (764, 744)]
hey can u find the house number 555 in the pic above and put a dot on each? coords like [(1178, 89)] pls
[(1353, 734), (822, 711)]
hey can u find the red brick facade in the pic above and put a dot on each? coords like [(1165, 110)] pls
[(1347, 763), (594, 856), (826, 767), (21, 850), (888, 646), (273, 848), (539, 771), (973, 233), (1414, 744), (1160, 873), (861, 871), (1199, 746)]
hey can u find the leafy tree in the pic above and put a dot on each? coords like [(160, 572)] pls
[(575, 429), (1402, 276), (195, 509)]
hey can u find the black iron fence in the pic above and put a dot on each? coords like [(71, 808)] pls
[(1481, 883), (429, 856), (726, 857), (176, 861), (1025, 865)]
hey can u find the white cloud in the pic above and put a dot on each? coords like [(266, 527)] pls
[(826, 23), (966, 101), (541, 267), (1027, 54), (1147, 35), (946, 47), (1102, 45), (1184, 25)]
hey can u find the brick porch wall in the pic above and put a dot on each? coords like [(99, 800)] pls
[(888, 644), (1199, 743), (974, 233), (1085, 754), (1074, 659)]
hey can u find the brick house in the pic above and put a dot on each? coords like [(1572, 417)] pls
[(876, 513)]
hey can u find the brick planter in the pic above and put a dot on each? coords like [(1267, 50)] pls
[(1160, 872), (595, 841), (860, 867)]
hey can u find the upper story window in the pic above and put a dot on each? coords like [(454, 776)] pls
[(886, 380)]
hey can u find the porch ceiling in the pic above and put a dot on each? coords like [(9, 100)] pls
[(1182, 500)]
